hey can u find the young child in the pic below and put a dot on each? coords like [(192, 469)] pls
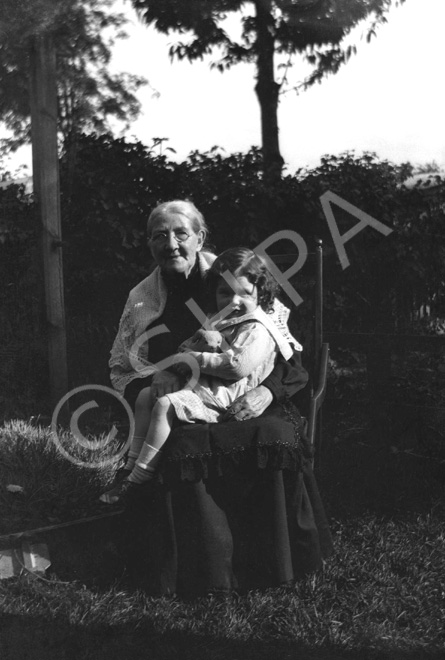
[(239, 353)]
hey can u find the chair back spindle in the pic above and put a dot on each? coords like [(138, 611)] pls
[(309, 283)]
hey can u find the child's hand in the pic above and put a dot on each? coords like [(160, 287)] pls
[(185, 364), (181, 368)]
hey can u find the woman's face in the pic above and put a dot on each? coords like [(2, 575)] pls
[(174, 243), (241, 295)]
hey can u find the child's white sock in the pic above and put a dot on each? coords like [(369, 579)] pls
[(145, 467), (134, 451)]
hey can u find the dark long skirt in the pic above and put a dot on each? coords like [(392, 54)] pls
[(236, 507)]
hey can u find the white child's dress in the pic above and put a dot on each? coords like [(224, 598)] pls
[(254, 342)]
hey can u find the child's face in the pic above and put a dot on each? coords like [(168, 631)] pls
[(242, 296)]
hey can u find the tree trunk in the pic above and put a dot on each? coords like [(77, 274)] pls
[(267, 91), (43, 94)]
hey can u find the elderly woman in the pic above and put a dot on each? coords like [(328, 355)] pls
[(156, 319), (225, 490)]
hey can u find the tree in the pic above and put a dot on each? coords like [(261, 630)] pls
[(43, 42), (314, 28), (83, 32)]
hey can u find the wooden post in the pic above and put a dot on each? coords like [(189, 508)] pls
[(43, 96)]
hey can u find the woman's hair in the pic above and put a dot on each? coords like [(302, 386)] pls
[(185, 208), (242, 262)]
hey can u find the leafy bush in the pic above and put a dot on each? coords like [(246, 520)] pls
[(109, 187)]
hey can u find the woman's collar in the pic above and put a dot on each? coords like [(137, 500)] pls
[(180, 280)]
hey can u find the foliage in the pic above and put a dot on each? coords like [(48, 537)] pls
[(88, 94), (428, 168), (16, 215), (18, 275), (110, 186), (108, 191), (314, 28), (387, 276), (30, 17), (113, 185), (240, 207), (297, 27)]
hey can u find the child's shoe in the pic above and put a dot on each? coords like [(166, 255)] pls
[(120, 475), (119, 492)]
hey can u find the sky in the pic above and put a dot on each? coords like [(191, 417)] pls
[(389, 99)]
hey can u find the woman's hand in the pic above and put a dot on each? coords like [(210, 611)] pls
[(249, 405), (164, 382)]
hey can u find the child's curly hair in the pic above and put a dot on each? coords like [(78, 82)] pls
[(243, 262)]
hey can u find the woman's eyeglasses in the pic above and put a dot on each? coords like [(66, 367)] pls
[(161, 237)]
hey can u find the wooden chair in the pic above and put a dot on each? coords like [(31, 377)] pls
[(307, 325), (321, 359)]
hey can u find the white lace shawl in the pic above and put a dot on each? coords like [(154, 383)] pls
[(146, 303)]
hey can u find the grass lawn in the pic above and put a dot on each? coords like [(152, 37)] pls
[(381, 596)]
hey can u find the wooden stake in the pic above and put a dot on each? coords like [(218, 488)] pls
[(43, 95)]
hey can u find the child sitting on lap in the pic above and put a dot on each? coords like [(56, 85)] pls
[(235, 356)]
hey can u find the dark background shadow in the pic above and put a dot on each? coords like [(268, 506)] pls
[(36, 638)]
